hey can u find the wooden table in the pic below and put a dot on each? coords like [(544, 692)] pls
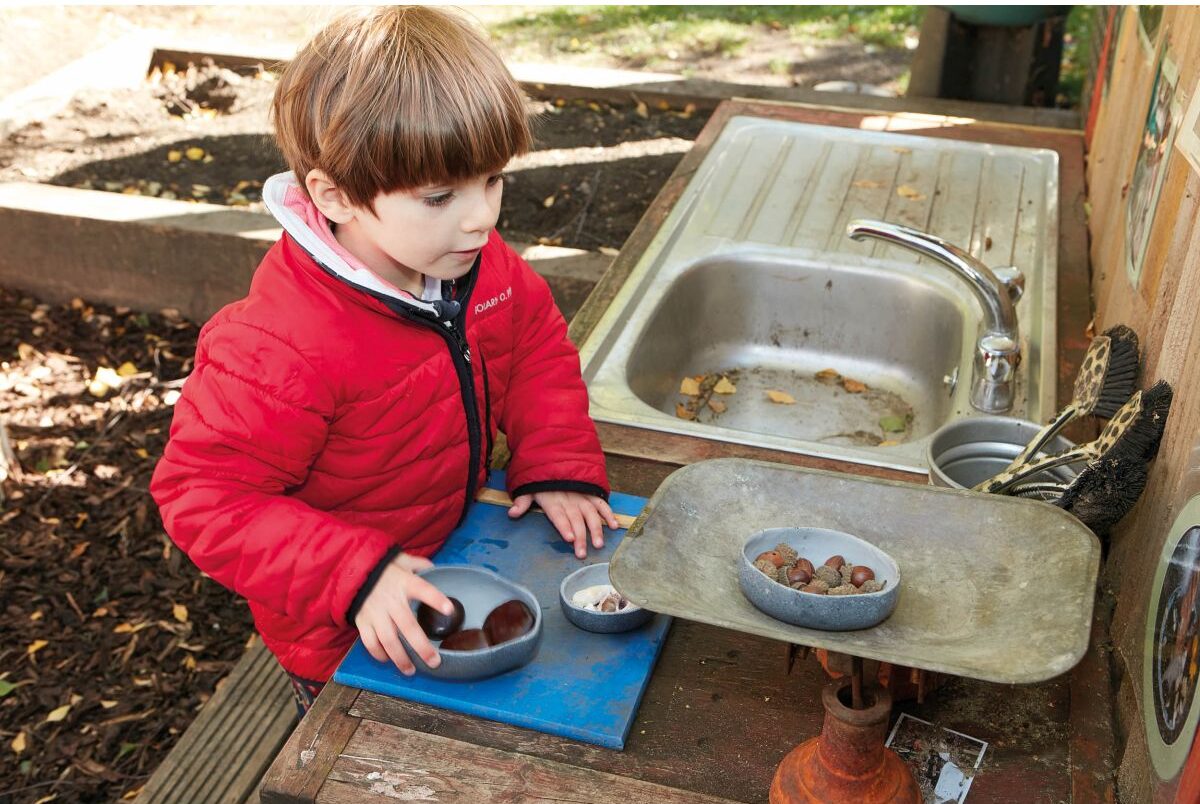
[(720, 712)]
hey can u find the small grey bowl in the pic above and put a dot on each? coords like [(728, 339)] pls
[(836, 613), (480, 591), (597, 621), (968, 451)]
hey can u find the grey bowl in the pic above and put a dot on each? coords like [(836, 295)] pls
[(479, 591), (968, 451), (837, 613), (597, 621)]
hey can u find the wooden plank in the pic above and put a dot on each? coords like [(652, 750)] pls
[(229, 745), (404, 764), (300, 768)]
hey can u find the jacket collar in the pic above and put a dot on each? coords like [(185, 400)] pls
[(300, 218)]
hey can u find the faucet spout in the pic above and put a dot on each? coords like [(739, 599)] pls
[(1000, 318), (998, 351)]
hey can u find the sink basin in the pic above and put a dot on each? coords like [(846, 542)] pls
[(866, 349)]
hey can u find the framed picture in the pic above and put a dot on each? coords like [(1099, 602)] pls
[(1188, 141), (1149, 170)]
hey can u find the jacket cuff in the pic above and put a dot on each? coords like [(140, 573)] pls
[(560, 485), (369, 584)]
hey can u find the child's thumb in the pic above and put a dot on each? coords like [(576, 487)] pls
[(520, 506)]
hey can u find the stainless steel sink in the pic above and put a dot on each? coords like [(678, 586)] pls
[(752, 278)]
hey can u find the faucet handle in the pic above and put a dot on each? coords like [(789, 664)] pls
[(1013, 280)]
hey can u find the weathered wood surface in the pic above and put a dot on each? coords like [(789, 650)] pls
[(300, 768), (224, 753), (1162, 308)]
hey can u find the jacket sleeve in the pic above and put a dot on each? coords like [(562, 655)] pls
[(545, 412), (251, 419)]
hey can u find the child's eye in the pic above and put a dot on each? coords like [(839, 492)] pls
[(494, 180), (438, 200)]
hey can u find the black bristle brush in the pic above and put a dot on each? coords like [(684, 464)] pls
[(1133, 433), (1099, 496), (1106, 380)]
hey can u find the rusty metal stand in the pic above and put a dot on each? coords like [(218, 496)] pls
[(847, 762)]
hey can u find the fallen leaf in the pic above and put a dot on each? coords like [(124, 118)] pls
[(195, 153), (180, 611), (642, 110), (888, 443), (548, 201), (47, 799), (663, 106), (595, 107), (827, 376), (142, 453), (80, 548), (35, 646), (689, 109), (689, 387), (104, 381), (909, 192), (132, 794), (6, 687), (189, 661), (853, 386), (18, 743), (900, 149), (58, 714), (781, 397), (892, 424), (108, 704), (25, 351), (174, 156), (609, 251), (717, 406), (37, 615), (724, 386), (682, 412), (868, 184), (126, 369)]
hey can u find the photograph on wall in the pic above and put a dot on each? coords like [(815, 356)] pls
[(944, 762), (1188, 141), (1161, 122), (1149, 24)]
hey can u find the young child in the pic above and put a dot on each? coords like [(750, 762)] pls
[(340, 419)]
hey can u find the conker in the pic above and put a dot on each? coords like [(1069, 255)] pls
[(437, 625), (835, 561), (806, 564), (508, 621), (469, 639), (774, 556), (861, 575)]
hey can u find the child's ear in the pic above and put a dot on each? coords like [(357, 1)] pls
[(328, 197)]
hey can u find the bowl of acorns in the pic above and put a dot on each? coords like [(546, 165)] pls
[(818, 578), (496, 625)]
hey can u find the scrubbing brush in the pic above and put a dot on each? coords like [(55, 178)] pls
[(1133, 433), (1106, 380), (1099, 496)]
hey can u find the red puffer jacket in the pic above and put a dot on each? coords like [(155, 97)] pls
[(329, 424)]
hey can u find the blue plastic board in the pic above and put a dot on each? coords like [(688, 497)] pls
[(580, 685)]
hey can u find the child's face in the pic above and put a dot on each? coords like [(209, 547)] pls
[(436, 230)]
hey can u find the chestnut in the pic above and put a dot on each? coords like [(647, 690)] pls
[(835, 561), (507, 621), (806, 564), (437, 625), (862, 573), (468, 639), (798, 574), (774, 556)]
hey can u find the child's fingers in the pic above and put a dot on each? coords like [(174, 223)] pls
[(595, 526), (422, 590), (417, 640), (371, 643), (579, 529), (562, 524), (605, 510), (520, 505), (413, 563), (394, 650)]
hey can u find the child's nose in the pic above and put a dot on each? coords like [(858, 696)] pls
[(482, 215)]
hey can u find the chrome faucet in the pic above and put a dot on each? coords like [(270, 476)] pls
[(998, 350)]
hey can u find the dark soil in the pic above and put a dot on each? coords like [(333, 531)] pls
[(202, 134), (102, 613)]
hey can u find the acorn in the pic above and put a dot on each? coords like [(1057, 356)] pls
[(871, 586), (829, 575), (846, 570), (773, 556), (844, 589), (862, 573), (835, 561), (788, 552), (766, 568), (799, 574), (815, 588)]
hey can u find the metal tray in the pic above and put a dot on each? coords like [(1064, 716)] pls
[(995, 588)]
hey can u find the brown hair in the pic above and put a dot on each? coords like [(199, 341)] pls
[(396, 98)]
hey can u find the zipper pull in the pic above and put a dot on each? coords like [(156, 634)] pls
[(463, 346)]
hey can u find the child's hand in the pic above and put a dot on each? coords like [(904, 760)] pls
[(387, 611), (573, 514)]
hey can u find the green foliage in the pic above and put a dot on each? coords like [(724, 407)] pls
[(646, 35), (1077, 52)]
